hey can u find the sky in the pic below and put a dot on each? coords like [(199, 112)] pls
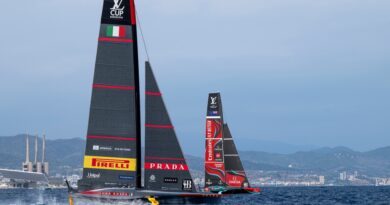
[(301, 72)]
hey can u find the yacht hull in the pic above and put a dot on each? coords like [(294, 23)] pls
[(129, 195)]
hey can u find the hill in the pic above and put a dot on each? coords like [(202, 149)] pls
[(65, 155), (324, 160)]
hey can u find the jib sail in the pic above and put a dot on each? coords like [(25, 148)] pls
[(235, 173), (165, 166), (113, 140)]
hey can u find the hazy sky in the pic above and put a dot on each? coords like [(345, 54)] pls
[(294, 71)]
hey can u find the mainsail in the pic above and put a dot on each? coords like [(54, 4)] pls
[(113, 138), (165, 166), (214, 155), (223, 167)]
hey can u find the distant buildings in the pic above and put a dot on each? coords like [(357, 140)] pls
[(36, 166), (382, 182), (355, 174), (322, 180), (343, 176)]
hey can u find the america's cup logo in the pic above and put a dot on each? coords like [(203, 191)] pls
[(117, 4), (213, 100), (117, 11)]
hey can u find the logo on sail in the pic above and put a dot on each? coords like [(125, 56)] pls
[(187, 184), (116, 11), (108, 148), (92, 175), (213, 100), (235, 179), (110, 163), (101, 148), (171, 180), (209, 150), (152, 178), (166, 166), (213, 113), (126, 177)]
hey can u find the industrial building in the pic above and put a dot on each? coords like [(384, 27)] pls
[(33, 174), (36, 166)]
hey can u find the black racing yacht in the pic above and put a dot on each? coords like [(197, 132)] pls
[(112, 161)]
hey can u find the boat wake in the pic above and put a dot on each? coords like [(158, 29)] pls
[(52, 198)]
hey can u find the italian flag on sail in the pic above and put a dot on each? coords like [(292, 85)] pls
[(116, 31)]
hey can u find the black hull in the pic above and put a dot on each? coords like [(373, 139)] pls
[(114, 195), (230, 191), (189, 200), (162, 200)]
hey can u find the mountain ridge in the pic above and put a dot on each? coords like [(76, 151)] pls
[(66, 155)]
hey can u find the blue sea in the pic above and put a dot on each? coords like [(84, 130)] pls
[(271, 195)]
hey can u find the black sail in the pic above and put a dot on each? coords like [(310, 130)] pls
[(235, 173), (113, 138), (165, 166)]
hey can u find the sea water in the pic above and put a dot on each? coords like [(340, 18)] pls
[(271, 195)]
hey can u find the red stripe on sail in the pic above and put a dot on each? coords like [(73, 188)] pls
[(121, 40), (111, 138), (117, 87), (166, 158), (132, 12), (159, 126), (153, 93)]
